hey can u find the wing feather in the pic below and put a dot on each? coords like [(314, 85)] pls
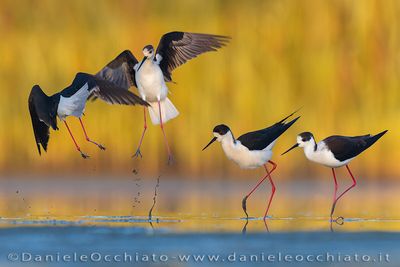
[(41, 130), (176, 48), (113, 94), (120, 71), (345, 147), (261, 139)]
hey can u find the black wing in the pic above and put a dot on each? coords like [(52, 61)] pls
[(345, 147), (258, 140), (178, 47), (111, 93), (39, 108), (119, 71)]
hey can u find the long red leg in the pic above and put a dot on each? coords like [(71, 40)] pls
[(76, 144), (87, 137), (138, 153), (345, 191), (336, 186), (266, 226), (258, 184), (170, 157), (272, 193), (274, 165)]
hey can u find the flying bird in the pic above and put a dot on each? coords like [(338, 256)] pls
[(71, 101), (155, 69), (252, 150), (334, 152)]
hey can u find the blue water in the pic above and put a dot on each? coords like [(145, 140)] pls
[(133, 244), (92, 223)]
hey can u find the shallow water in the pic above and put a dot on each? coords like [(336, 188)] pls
[(58, 217), (197, 206)]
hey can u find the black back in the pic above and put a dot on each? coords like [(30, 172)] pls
[(345, 147), (258, 140), (43, 111), (79, 81)]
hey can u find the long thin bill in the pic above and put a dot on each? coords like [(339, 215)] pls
[(294, 146), (212, 141), (143, 60)]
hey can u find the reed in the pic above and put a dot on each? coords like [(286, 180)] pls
[(337, 59)]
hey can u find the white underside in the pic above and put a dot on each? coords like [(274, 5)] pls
[(245, 158), (152, 88), (150, 82), (323, 156), (168, 111), (74, 105)]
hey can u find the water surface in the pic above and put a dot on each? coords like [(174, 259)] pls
[(202, 217)]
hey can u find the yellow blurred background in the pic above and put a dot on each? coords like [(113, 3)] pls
[(339, 60)]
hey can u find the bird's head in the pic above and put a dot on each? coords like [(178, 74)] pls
[(220, 132), (304, 139), (148, 51)]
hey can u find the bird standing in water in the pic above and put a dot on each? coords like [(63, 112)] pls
[(334, 152), (252, 150), (155, 69)]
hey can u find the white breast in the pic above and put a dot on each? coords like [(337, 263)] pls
[(245, 158), (150, 81), (323, 156), (73, 105)]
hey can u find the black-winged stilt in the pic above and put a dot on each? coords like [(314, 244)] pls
[(334, 152), (71, 102), (150, 74), (252, 150)]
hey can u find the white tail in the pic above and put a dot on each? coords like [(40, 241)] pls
[(168, 111)]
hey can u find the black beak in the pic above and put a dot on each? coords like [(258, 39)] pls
[(294, 146), (141, 63), (212, 141)]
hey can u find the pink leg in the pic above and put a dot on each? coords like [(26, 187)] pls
[(336, 185), (138, 153), (272, 194), (345, 191), (258, 184), (274, 165), (170, 157), (76, 144), (87, 137), (266, 226)]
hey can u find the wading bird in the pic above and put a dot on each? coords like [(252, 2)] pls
[(71, 102), (334, 152), (252, 150), (155, 69)]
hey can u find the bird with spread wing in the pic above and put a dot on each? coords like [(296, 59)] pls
[(155, 69), (71, 101)]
